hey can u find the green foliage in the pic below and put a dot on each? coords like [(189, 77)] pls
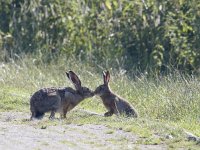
[(145, 34)]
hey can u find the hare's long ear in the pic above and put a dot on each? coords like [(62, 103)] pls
[(106, 77), (74, 79), (67, 74)]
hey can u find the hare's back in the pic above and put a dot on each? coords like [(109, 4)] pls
[(123, 105), (46, 99), (43, 94)]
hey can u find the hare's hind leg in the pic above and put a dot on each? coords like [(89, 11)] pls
[(32, 115), (39, 115), (36, 115)]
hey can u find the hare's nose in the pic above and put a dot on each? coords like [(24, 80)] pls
[(92, 93), (95, 92)]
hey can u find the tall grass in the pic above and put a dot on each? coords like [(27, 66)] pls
[(173, 97)]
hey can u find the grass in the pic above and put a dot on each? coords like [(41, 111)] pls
[(110, 131), (68, 143), (167, 105)]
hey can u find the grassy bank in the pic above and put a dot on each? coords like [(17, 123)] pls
[(167, 105)]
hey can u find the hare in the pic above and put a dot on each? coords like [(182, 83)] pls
[(113, 103), (60, 100)]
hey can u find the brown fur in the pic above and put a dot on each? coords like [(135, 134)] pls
[(113, 103), (58, 99)]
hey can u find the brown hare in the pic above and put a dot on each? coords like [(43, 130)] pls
[(113, 103), (59, 100)]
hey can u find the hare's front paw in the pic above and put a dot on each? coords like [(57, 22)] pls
[(107, 114), (52, 116)]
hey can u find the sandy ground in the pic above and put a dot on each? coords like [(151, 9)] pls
[(29, 135)]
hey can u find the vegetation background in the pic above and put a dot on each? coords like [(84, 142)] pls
[(144, 34), (151, 47)]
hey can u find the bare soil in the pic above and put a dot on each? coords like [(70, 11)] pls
[(17, 132)]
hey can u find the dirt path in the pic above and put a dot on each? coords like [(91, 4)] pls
[(22, 136)]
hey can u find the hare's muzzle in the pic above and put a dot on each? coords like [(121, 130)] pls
[(92, 94), (95, 92)]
